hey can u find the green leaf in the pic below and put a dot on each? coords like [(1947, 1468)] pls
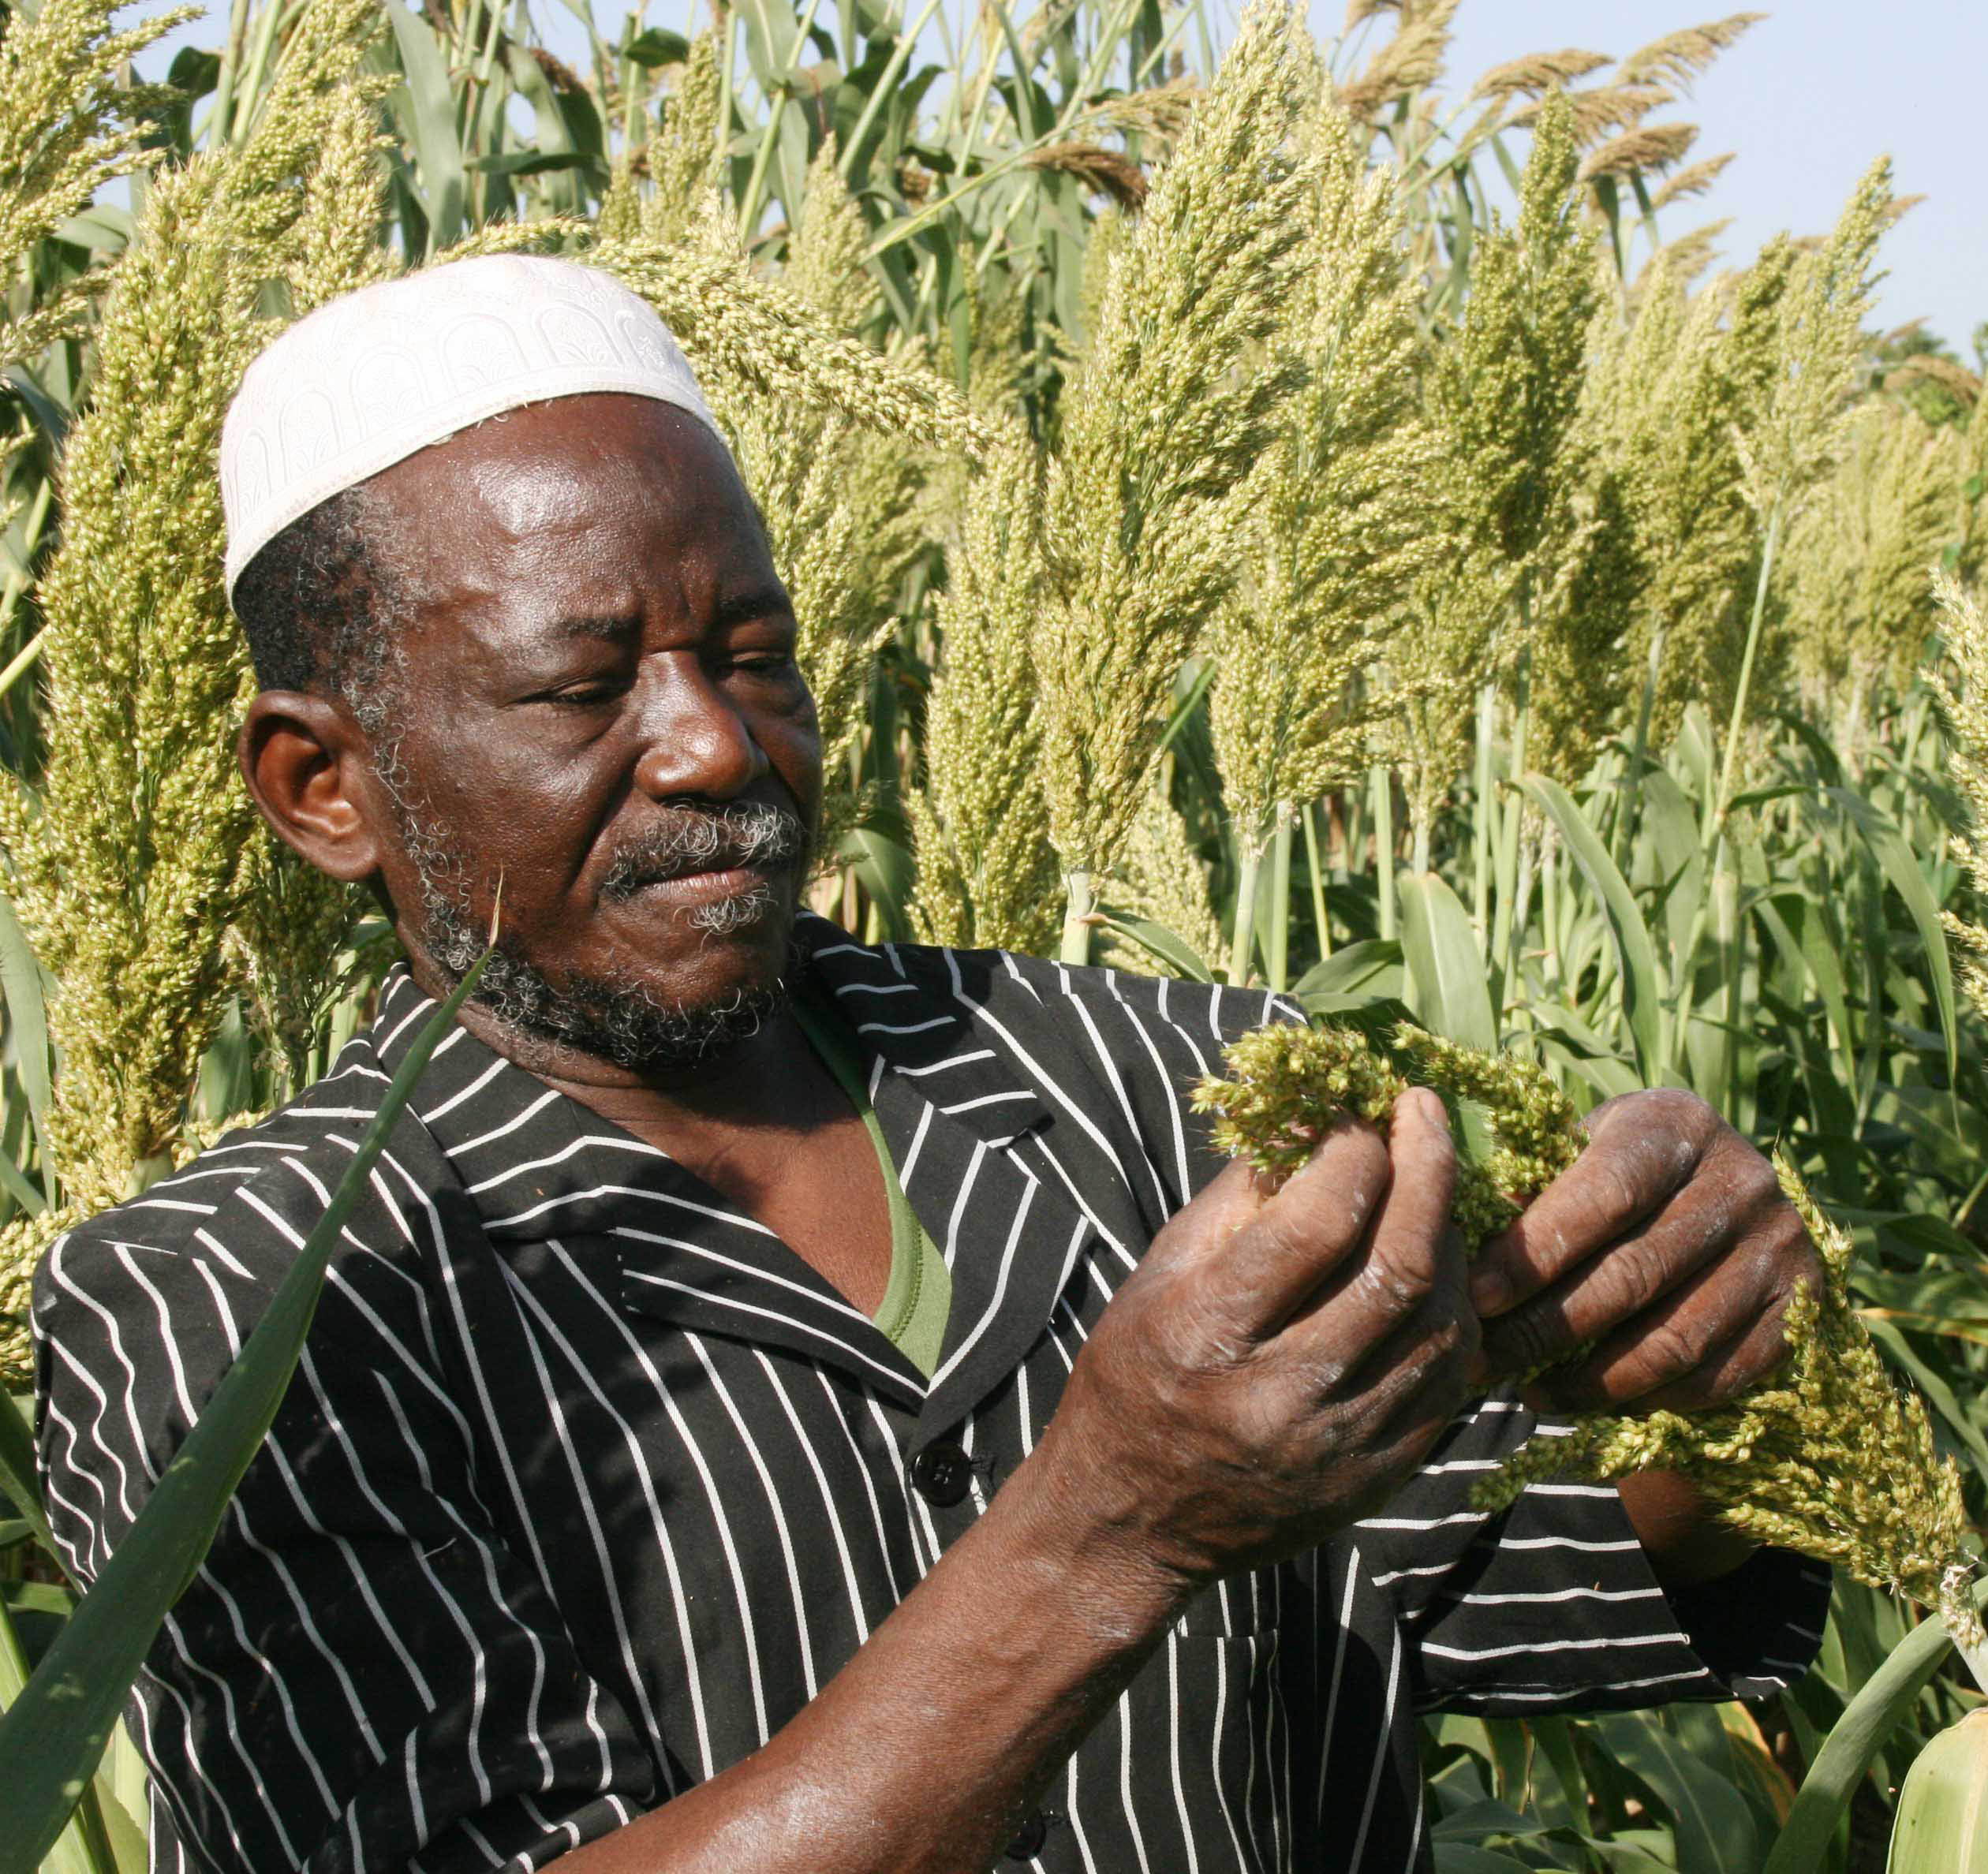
[(656, 46), (1485, 1821), (1628, 1857), (1194, 681), (52, 1735), (14, 1180), (1880, 1706), (1158, 941), (1373, 1015), (1465, 1858), (1938, 1393), (1372, 964), (1888, 846), (1448, 984), (1643, 989), (1714, 1827), (430, 122), (885, 870), (17, 1479), (528, 162), (21, 984)]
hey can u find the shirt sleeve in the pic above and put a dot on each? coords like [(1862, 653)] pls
[(363, 1675), (1551, 1606)]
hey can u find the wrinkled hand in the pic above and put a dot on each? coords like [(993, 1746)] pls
[(1276, 1363), (1668, 1243)]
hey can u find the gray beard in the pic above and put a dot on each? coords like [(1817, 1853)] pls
[(615, 1018)]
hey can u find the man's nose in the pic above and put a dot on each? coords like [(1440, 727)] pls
[(695, 741)]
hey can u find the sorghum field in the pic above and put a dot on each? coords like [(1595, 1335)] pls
[(1227, 542)]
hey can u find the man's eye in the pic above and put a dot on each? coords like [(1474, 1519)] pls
[(584, 696), (765, 663)]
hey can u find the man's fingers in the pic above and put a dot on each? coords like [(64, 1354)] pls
[(1724, 1373), (1293, 1240), (1420, 1372), (1644, 1148), (1412, 1253), (1600, 1294), (1414, 1246), (1716, 1334)]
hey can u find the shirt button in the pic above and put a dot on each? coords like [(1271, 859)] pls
[(1028, 1839), (941, 1474)]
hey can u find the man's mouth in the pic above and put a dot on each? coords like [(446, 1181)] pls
[(704, 884), (703, 858)]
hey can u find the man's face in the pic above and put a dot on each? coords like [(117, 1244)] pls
[(594, 700)]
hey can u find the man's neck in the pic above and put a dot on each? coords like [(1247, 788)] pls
[(769, 1081), (765, 1124)]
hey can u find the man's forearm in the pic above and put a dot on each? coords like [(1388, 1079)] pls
[(927, 1750), (1687, 1543)]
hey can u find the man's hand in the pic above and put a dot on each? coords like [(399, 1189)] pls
[(1277, 1363), (1668, 1244)]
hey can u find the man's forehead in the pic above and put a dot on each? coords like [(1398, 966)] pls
[(580, 509), (575, 461)]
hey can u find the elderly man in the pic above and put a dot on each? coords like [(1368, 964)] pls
[(785, 1404)]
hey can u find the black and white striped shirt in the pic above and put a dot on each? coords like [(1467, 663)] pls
[(586, 1483)]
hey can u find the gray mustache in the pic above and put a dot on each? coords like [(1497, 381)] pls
[(755, 833)]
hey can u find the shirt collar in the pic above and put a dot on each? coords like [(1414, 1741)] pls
[(536, 1164), (523, 1148)]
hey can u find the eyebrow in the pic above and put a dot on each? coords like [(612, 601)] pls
[(742, 608)]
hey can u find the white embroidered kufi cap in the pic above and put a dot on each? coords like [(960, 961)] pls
[(369, 378)]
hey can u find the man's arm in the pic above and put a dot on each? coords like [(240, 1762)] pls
[(365, 1674), (1273, 1368)]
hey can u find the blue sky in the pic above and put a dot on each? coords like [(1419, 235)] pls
[(1806, 99)]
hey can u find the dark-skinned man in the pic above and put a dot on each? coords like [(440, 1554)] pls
[(790, 1404)]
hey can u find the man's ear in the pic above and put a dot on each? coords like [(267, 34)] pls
[(309, 768)]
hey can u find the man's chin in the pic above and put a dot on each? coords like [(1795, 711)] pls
[(651, 1015)]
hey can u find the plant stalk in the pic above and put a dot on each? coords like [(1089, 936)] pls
[(1722, 801), (1315, 859), (1384, 849), (1078, 903), (1249, 865), (1632, 777), (1277, 938), (222, 112), (1480, 883)]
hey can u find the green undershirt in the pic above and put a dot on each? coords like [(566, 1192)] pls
[(918, 1297)]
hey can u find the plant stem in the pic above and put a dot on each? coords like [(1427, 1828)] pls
[(1549, 908), (1078, 903), (251, 84), (1722, 801), (885, 88), (748, 209), (1506, 913), (1277, 938), (1880, 1705), (1528, 839), (1315, 859), (1480, 885), (727, 78), (1633, 775), (1249, 864), (222, 109), (1383, 848)]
